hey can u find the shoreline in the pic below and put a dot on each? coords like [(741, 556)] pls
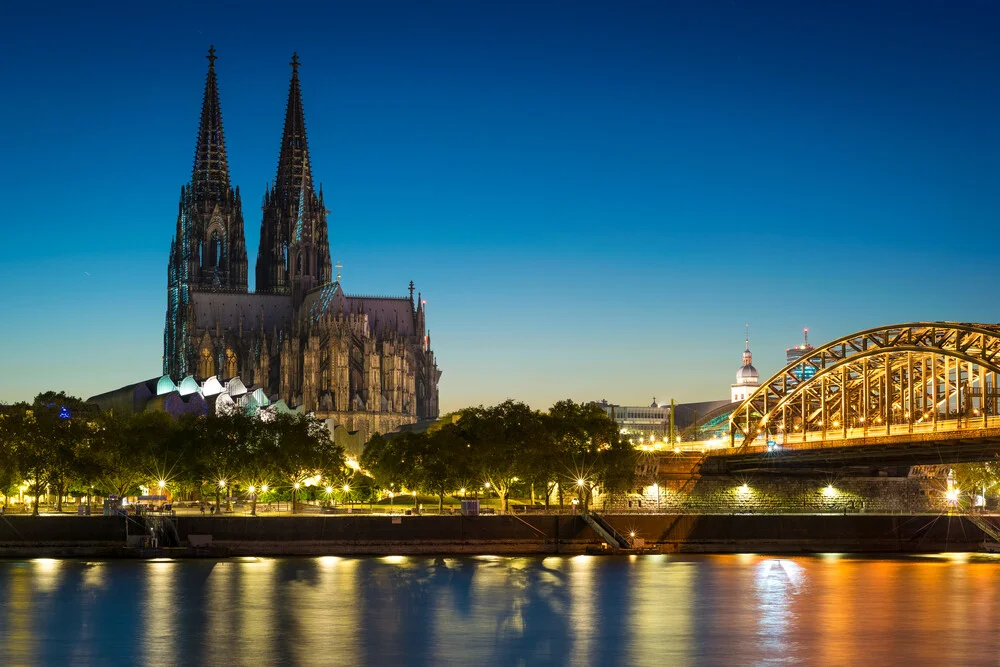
[(224, 537)]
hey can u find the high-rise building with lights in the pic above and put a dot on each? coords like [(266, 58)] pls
[(793, 354)]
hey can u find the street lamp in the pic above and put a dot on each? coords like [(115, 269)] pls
[(252, 492)]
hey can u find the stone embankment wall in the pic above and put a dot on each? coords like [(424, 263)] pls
[(802, 533), (26, 537), (395, 534), (776, 495)]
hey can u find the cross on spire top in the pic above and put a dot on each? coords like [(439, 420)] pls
[(211, 56), (339, 267), (295, 62)]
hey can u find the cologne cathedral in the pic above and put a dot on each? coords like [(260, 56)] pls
[(364, 362)]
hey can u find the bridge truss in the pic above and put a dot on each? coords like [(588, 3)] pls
[(920, 377)]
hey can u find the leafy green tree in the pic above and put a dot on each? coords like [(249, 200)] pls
[(61, 429), (11, 422), (390, 461), (594, 450), (127, 449), (219, 443), (301, 448), (442, 462), (499, 437), (981, 476)]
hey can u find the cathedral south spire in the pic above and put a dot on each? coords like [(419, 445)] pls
[(294, 254)]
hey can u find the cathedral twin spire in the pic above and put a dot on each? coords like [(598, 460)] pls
[(209, 250), (210, 176), (294, 254)]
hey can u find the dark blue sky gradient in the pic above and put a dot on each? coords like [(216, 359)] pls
[(593, 198)]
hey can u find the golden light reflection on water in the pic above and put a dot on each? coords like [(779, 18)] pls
[(777, 583), (18, 644), (581, 599), (751, 609), (159, 619), (46, 573), (661, 613)]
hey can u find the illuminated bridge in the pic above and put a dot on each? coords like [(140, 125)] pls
[(923, 392)]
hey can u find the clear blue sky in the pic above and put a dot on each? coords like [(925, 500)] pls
[(593, 197)]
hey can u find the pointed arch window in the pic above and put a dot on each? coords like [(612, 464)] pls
[(215, 250), (232, 364), (206, 364)]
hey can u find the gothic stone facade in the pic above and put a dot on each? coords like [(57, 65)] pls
[(363, 361)]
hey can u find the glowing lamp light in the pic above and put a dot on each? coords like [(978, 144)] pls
[(580, 482), (347, 488), (161, 483), (632, 534), (462, 490), (252, 490), (744, 488), (486, 485), (297, 486), (329, 489), (264, 488), (951, 495), (222, 483), (829, 491)]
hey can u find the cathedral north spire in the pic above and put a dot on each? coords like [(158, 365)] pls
[(210, 175)]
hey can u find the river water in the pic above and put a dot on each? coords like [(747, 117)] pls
[(574, 610)]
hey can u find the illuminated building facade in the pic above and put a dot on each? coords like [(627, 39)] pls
[(793, 354), (639, 423), (363, 361)]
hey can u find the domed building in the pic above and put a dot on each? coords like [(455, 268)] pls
[(747, 378)]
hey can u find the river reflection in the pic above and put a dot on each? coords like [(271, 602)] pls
[(576, 610)]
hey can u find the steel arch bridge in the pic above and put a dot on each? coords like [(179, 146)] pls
[(896, 380)]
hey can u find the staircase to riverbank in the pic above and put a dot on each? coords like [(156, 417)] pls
[(606, 531), (989, 528)]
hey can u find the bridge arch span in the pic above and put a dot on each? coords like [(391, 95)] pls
[(896, 379)]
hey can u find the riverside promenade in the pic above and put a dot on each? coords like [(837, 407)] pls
[(73, 536)]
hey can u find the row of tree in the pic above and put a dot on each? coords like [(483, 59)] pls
[(58, 442), (63, 445), (507, 449)]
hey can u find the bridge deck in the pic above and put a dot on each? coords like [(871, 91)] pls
[(945, 442)]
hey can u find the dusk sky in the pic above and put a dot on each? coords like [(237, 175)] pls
[(593, 198)]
